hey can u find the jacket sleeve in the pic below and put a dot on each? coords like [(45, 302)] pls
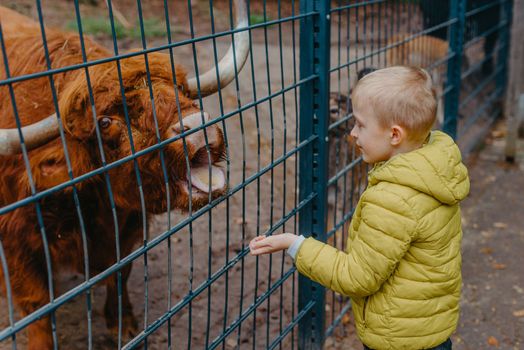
[(386, 229)]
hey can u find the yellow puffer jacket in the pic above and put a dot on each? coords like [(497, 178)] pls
[(402, 265)]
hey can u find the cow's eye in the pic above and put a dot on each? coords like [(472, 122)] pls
[(183, 90), (104, 122)]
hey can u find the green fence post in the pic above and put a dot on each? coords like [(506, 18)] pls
[(504, 43), (456, 45), (314, 114)]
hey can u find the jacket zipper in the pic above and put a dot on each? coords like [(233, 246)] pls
[(364, 311)]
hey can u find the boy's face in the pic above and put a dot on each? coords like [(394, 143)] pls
[(373, 140)]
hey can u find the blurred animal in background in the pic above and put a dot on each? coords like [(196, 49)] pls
[(342, 152), (482, 23), (86, 226), (422, 51)]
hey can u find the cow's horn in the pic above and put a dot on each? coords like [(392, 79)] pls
[(35, 135), (226, 66)]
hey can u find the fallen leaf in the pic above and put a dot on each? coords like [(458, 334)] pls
[(232, 343), (328, 344), (498, 266), (486, 234), (490, 179), (346, 319), (518, 289), (500, 225), (518, 313), (493, 341), (498, 134), (486, 250), (240, 221)]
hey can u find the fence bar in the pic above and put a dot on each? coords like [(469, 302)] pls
[(504, 40), (456, 43), (514, 104), (314, 114)]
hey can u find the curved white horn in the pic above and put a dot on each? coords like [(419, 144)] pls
[(35, 135), (226, 66)]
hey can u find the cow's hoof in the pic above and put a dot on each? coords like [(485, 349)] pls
[(129, 327)]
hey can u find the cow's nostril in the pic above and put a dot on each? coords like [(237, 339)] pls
[(178, 128)]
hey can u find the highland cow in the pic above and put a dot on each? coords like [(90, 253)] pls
[(100, 217)]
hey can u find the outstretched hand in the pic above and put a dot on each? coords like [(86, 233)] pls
[(267, 245)]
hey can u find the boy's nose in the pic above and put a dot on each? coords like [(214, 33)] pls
[(353, 132)]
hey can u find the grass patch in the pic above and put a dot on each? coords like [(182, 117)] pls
[(256, 18), (102, 27)]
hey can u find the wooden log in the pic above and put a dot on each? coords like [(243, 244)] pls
[(514, 102)]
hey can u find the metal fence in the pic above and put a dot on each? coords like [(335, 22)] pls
[(121, 180)]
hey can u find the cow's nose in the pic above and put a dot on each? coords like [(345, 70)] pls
[(196, 140), (191, 121)]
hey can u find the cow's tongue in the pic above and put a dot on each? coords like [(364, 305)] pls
[(200, 178)]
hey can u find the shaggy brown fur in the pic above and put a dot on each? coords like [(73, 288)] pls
[(19, 229), (341, 151)]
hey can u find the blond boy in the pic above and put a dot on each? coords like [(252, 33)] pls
[(402, 264)]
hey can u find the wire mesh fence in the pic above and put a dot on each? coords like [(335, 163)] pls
[(126, 212)]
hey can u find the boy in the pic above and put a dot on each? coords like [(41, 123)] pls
[(402, 263)]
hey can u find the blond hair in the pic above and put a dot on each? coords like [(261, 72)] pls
[(399, 95)]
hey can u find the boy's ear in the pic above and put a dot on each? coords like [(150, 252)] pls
[(398, 134)]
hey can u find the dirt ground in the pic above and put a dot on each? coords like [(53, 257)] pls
[(258, 137), (493, 294)]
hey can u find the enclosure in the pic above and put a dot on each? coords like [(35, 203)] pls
[(288, 163)]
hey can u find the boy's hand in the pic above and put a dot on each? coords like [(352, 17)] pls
[(266, 245)]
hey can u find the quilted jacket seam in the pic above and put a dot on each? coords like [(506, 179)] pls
[(412, 280), (314, 261), (444, 183), (422, 336), (421, 317), (380, 253), (414, 234), (382, 231), (403, 214), (425, 299)]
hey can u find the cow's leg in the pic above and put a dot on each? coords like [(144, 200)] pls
[(27, 272), (39, 334), (131, 232), (30, 292), (129, 323)]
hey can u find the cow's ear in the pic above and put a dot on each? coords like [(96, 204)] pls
[(49, 167), (75, 109)]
